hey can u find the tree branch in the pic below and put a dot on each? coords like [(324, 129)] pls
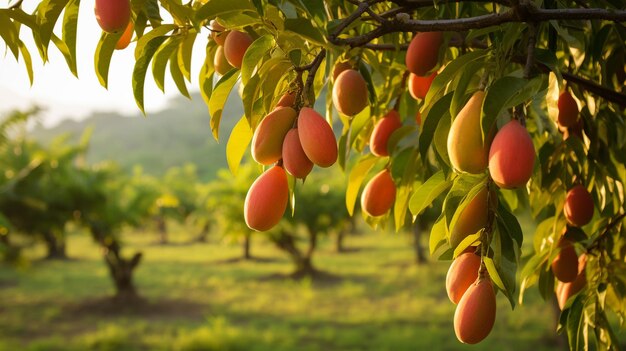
[(311, 77)]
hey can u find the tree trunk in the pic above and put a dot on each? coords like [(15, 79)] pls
[(339, 241), (120, 269), (162, 229), (303, 263), (246, 246), (55, 244), (420, 258)]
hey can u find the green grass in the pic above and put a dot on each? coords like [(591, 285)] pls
[(199, 300)]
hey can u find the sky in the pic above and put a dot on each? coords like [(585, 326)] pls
[(63, 95)]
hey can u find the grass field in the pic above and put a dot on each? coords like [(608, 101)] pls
[(199, 298)]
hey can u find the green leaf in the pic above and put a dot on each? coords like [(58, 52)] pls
[(48, 13), (104, 52), (238, 144), (428, 192), (70, 23), (305, 29), (9, 34), (157, 32), (161, 57), (576, 324), (177, 74), (28, 62), (493, 273), (218, 99), (431, 121), (355, 179), (458, 100), (438, 235), (205, 79), (214, 8), (65, 51), (184, 55), (253, 56), (141, 67)]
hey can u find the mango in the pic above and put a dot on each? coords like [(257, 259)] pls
[(578, 207), (379, 194), (475, 314), (419, 86), (126, 37), (350, 93), (287, 100), (565, 264), (568, 110), (566, 290), (382, 131), (294, 158), (112, 15), (462, 273), (219, 61), (267, 141), (512, 156), (423, 52), (218, 32), (235, 47), (473, 218), (317, 138), (266, 200), (466, 149)]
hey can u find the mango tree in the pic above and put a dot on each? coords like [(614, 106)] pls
[(514, 103)]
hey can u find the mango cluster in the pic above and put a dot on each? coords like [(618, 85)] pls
[(231, 47), (292, 142)]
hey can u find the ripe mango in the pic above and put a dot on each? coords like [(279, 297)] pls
[(512, 156), (112, 15), (565, 264), (423, 52), (287, 100), (267, 141), (568, 110), (462, 273), (218, 32), (267, 199), (475, 314), (566, 290), (126, 37), (379, 194), (219, 61), (350, 93), (235, 47), (419, 86), (466, 149), (382, 131), (317, 138), (473, 218), (578, 206), (294, 158)]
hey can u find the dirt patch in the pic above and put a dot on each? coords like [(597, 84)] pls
[(109, 307)]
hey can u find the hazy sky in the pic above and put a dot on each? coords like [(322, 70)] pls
[(63, 95)]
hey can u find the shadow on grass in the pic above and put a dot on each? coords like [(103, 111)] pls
[(110, 307), (253, 259)]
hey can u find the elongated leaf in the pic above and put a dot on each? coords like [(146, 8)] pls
[(355, 179), (104, 52), (218, 99), (177, 75), (28, 62), (238, 144), (141, 67), (438, 235), (65, 51), (184, 55), (430, 122), (214, 8), (253, 56), (493, 273), (305, 29), (70, 23), (48, 13), (161, 57), (9, 34), (428, 192), (158, 32), (205, 79)]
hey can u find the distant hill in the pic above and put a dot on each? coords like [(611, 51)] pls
[(177, 135)]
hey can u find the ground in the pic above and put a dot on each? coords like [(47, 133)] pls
[(197, 297)]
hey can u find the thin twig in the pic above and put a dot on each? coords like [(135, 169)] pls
[(311, 77), (530, 55)]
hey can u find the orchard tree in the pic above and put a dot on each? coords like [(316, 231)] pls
[(510, 103)]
